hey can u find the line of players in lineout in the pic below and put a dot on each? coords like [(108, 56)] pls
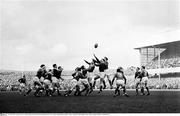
[(49, 81)]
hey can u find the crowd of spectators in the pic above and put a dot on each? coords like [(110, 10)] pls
[(165, 63)]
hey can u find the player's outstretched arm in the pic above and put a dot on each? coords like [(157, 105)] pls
[(87, 62), (97, 60)]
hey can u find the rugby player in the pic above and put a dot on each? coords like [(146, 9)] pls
[(56, 73), (75, 83), (103, 65), (144, 74), (120, 82), (83, 80), (90, 70), (22, 85), (137, 78), (41, 74), (48, 83)]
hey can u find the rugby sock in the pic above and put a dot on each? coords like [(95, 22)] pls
[(29, 91), (136, 91), (142, 91), (118, 92), (101, 87), (124, 90), (104, 84), (147, 90)]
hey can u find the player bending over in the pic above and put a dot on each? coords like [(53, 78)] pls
[(75, 83), (120, 82), (144, 74)]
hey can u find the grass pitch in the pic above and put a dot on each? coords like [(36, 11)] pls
[(157, 102)]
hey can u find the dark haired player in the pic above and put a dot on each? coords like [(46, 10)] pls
[(103, 65), (144, 74), (137, 78), (120, 82)]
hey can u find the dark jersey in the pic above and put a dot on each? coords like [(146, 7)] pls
[(102, 66), (84, 74), (77, 75), (49, 76), (22, 80), (59, 74), (41, 73), (144, 74), (90, 68), (55, 73), (137, 75)]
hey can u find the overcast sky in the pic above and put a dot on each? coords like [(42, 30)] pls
[(64, 32)]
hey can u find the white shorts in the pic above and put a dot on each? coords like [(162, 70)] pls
[(144, 80), (120, 83), (102, 75), (41, 79), (47, 82), (138, 81), (22, 85), (36, 79), (84, 81), (55, 80), (90, 77)]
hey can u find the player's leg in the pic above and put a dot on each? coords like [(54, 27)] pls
[(90, 81), (124, 91), (101, 85), (86, 86), (137, 84), (148, 93), (104, 83), (58, 89), (77, 90), (142, 86), (110, 82), (116, 90), (95, 79), (72, 87)]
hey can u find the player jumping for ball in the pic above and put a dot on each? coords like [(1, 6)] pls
[(120, 82), (103, 65)]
